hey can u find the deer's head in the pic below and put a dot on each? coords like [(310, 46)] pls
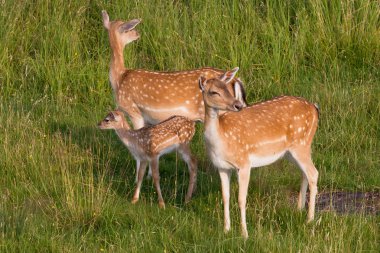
[(216, 94), (120, 32), (114, 120)]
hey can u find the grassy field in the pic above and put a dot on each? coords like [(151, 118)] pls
[(66, 186)]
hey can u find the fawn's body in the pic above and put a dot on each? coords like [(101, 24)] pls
[(256, 136), (149, 143)]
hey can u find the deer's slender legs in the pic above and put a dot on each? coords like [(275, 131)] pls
[(191, 162), (225, 176), (303, 159), (156, 180), (302, 193), (137, 170), (140, 177), (243, 178)]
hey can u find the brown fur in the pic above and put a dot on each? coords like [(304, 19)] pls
[(149, 97), (256, 136), (149, 143)]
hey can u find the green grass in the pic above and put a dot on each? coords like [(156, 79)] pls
[(66, 186)]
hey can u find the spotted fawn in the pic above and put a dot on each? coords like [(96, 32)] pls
[(147, 144)]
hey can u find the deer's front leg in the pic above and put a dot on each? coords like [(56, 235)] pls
[(140, 176), (243, 178), (225, 176)]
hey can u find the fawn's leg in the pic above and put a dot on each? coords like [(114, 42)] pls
[(191, 162), (140, 177), (156, 181)]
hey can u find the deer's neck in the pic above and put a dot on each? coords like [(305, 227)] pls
[(130, 140), (117, 67), (215, 143), (212, 126), (125, 134)]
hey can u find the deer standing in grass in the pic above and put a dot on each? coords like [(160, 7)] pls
[(147, 144), (256, 136), (149, 97)]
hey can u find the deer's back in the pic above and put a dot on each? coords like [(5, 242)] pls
[(282, 117), (169, 133), (160, 95)]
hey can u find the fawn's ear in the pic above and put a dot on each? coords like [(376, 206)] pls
[(116, 115), (130, 25), (229, 75), (106, 19), (111, 115), (202, 83)]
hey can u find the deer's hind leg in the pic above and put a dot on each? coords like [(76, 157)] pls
[(156, 180), (191, 162), (134, 113), (302, 156)]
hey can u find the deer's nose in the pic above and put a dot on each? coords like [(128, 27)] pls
[(238, 106), (135, 33)]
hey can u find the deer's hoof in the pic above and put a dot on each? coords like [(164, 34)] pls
[(161, 204)]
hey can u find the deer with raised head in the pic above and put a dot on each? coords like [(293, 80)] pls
[(147, 144), (255, 136), (149, 97)]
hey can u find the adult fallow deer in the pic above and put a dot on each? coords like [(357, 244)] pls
[(149, 97), (255, 136)]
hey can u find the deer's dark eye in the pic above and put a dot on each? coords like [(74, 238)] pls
[(214, 93), (106, 120)]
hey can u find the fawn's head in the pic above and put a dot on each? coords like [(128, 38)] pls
[(121, 33), (216, 94), (114, 120)]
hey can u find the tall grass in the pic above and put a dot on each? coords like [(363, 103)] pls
[(65, 186)]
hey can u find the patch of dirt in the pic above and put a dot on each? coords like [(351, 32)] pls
[(342, 202)]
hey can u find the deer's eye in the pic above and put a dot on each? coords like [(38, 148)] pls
[(106, 120), (214, 93)]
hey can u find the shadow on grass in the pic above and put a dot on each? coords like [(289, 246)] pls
[(345, 202)]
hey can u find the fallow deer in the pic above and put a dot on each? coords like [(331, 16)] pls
[(256, 136), (149, 97), (147, 144)]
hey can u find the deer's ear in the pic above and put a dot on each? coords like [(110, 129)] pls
[(202, 83), (229, 75), (240, 92), (111, 115), (119, 114), (127, 26), (106, 19)]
